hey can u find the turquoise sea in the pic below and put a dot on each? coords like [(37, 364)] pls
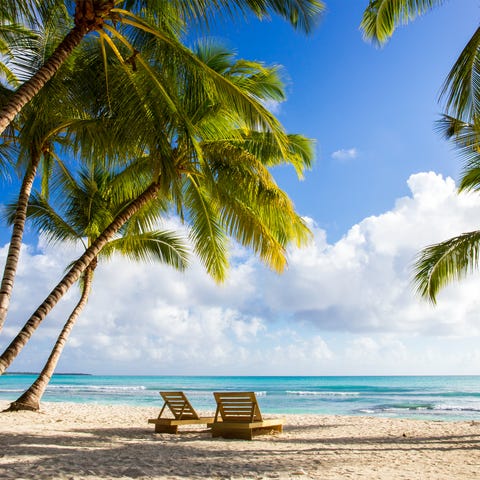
[(428, 397)]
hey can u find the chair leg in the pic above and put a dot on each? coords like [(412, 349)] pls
[(166, 428)]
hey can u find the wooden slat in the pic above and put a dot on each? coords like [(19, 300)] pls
[(237, 406), (240, 417), (181, 409), (179, 405)]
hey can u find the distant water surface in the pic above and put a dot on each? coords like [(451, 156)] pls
[(426, 397)]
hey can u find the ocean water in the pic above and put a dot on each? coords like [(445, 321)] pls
[(426, 397)]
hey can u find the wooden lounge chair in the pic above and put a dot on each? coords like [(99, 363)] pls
[(238, 416), (181, 409)]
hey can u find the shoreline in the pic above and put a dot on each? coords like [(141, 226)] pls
[(88, 441), (423, 398)]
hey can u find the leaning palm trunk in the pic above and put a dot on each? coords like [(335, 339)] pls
[(30, 399), (73, 275), (89, 16), (13, 255), (30, 88)]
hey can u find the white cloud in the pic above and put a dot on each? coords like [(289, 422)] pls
[(345, 154), (362, 283), (340, 308), (273, 106)]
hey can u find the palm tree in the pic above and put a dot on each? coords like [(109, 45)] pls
[(39, 132), (215, 173), (35, 133), (114, 28), (8, 147), (48, 121), (439, 264), (18, 35), (92, 199), (14, 37), (114, 18), (379, 21)]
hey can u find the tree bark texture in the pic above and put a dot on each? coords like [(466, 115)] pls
[(15, 246), (30, 399), (89, 15), (30, 88), (72, 276)]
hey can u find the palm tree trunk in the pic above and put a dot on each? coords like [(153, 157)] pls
[(72, 276), (30, 399), (30, 88), (89, 15), (13, 255)]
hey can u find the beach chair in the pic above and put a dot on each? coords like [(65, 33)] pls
[(238, 416), (182, 411)]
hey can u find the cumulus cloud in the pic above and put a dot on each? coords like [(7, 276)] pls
[(362, 283), (341, 308), (345, 154)]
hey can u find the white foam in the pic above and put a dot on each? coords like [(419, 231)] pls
[(323, 394), (457, 408), (97, 388)]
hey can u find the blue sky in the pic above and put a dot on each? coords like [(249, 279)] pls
[(382, 187), (347, 94)]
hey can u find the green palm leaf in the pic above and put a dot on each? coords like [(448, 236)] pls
[(45, 220), (466, 138), (214, 84), (442, 263), (462, 85), (381, 17), (302, 14), (155, 246), (206, 232)]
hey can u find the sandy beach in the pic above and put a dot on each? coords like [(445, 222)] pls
[(77, 441)]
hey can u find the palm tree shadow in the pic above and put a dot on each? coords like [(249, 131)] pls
[(139, 452)]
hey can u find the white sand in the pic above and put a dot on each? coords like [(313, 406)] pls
[(72, 441)]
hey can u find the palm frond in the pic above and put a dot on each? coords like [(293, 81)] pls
[(206, 233), (30, 12), (301, 14), (466, 138), (155, 246), (440, 264), (9, 150), (221, 87), (30, 43), (45, 220), (261, 216), (381, 17), (461, 88), (254, 210)]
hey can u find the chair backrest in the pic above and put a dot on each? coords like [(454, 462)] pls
[(237, 407), (179, 405)]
